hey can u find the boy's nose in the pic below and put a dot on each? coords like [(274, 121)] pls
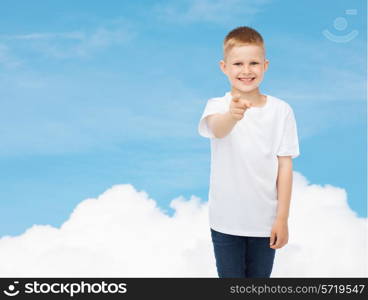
[(246, 70)]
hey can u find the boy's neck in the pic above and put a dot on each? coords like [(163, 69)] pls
[(254, 96)]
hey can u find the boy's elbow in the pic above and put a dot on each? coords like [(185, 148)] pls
[(215, 133)]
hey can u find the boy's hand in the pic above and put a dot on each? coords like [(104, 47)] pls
[(237, 107), (279, 235)]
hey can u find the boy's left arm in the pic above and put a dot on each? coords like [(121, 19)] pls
[(279, 234)]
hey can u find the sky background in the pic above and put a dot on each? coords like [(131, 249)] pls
[(97, 94)]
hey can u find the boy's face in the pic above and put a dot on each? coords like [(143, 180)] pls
[(244, 67)]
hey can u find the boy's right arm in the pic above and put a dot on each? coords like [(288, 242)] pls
[(221, 124)]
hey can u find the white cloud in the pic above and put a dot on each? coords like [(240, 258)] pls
[(84, 44), (215, 11), (78, 35), (123, 233), (78, 43)]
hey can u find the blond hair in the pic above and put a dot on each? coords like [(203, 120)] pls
[(241, 36)]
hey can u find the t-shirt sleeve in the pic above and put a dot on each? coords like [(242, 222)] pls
[(289, 142), (213, 106)]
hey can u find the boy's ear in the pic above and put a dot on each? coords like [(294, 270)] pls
[(266, 65), (222, 66)]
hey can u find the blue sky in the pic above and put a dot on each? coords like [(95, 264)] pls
[(95, 94)]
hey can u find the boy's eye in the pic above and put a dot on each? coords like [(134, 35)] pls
[(253, 63)]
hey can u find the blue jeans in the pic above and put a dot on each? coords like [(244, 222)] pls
[(242, 256)]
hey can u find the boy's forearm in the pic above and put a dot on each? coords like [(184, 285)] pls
[(222, 124), (284, 186)]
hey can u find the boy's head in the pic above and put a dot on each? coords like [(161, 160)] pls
[(244, 59)]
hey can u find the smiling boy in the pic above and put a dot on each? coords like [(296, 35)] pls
[(253, 140)]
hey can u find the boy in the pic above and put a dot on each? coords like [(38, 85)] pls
[(253, 140)]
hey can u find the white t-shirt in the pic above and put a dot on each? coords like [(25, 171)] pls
[(242, 193)]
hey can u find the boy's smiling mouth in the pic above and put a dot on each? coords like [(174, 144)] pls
[(246, 79)]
